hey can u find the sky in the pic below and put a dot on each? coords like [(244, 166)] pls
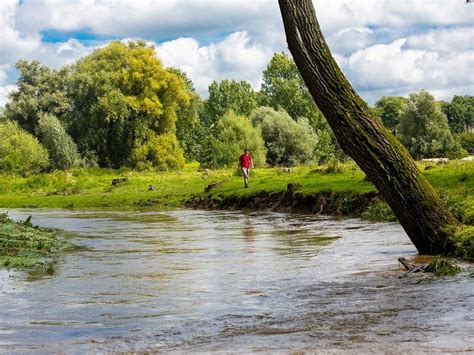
[(384, 47)]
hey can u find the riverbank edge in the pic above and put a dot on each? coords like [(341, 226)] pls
[(24, 246), (336, 204)]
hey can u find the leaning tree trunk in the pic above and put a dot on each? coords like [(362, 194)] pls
[(362, 136)]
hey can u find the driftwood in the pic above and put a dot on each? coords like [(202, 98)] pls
[(412, 268), (322, 206)]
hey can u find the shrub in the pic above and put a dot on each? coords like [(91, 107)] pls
[(466, 139), (20, 152), (464, 239), (441, 266), (62, 149), (424, 128), (233, 134), (161, 152), (288, 142)]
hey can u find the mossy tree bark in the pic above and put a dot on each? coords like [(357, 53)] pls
[(362, 135)]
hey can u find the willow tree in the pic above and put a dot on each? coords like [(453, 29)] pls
[(125, 105), (363, 137)]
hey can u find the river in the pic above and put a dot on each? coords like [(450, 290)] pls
[(207, 281)]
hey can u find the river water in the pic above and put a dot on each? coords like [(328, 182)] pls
[(206, 281)]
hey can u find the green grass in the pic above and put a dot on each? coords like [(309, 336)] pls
[(92, 188), (455, 184), (441, 266), (464, 238), (23, 246)]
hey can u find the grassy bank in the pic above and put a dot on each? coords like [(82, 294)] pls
[(23, 246), (337, 189)]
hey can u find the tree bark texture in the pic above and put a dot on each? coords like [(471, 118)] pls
[(361, 135)]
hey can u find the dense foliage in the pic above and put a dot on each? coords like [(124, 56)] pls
[(233, 134), (189, 131), (122, 97), (284, 88), (389, 109), (120, 107), (20, 152), (288, 142), (61, 148), (460, 113), (466, 139), (228, 95), (40, 90), (424, 129)]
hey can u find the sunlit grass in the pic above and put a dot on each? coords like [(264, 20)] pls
[(93, 189)]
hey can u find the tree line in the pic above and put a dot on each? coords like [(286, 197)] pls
[(120, 107)]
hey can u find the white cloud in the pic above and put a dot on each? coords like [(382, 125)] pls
[(4, 92), (444, 40), (350, 39), (336, 15), (236, 57), (3, 74), (390, 69), (13, 43), (382, 65), (185, 53), (382, 45), (185, 17), (145, 18)]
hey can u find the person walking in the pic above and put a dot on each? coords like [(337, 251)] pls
[(245, 164)]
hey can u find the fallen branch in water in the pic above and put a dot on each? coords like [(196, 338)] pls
[(439, 266), (322, 206), (412, 268)]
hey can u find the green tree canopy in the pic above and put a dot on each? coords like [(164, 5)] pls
[(466, 139), (232, 135), (288, 143), (122, 96), (61, 148), (460, 113), (389, 109), (423, 127), (283, 87), (39, 90), (161, 152), (188, 125), (227, 95), (20, 152)]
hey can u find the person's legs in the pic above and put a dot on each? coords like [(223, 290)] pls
[(246, 177)]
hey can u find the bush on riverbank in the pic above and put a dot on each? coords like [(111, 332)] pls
[(465, 243), (20, 152)]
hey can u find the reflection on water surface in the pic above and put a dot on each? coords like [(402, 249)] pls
[(212, 281)]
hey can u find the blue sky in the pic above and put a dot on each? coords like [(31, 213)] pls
[(384, 47)]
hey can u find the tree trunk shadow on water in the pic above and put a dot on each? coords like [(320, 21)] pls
[(388, 165)]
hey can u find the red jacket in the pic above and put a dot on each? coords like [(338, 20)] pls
[(246, 161)]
